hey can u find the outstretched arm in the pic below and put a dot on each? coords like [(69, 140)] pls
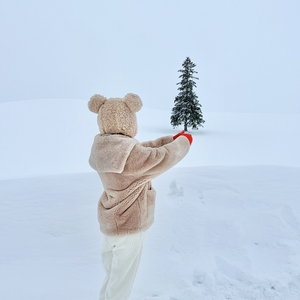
[(158, 142), (166, 140), (150, 162)]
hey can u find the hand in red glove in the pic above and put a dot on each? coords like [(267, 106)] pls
[(187, 135), (178, 134)]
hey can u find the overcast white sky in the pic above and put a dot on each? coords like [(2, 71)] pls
[(246, 51)]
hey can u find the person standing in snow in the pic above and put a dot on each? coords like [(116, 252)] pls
[(126, 168)]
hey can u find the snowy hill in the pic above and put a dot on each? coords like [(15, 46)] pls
[(227, 222), (44, 137)]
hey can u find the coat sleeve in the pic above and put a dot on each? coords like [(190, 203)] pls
[(151, 162), (158, 142)]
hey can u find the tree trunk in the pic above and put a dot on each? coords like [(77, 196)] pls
[(185, 126)]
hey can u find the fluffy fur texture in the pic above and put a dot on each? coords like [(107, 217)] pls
[(133, 101), (96, 102), (116, 115), (126, 168)]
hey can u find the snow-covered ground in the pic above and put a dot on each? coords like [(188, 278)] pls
[(227, 222)]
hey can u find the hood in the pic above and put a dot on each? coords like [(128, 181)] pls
[(111, 152)]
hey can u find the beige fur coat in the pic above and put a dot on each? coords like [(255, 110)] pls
[(126, 168)]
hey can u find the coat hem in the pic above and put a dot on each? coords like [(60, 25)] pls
[(125, 231)]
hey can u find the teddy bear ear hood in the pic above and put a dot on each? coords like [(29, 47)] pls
[(96, 102), (116, 115), (134, 102)]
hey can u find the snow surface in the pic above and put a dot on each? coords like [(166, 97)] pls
[(227, 221)]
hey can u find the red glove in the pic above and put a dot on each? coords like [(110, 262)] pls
[(178, 134), (189, 137)]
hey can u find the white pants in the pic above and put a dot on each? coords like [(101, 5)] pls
[(120, 258)]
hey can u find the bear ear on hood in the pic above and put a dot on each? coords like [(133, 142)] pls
[(96, 102), (133, 101)]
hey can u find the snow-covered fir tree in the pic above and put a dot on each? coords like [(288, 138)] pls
[(187, 109)]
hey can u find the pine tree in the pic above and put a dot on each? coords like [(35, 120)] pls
[(187, 109)]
